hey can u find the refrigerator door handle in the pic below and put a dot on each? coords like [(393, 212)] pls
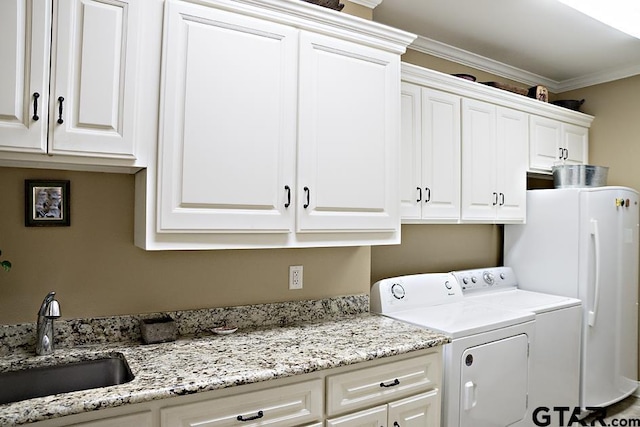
[(591, 317)]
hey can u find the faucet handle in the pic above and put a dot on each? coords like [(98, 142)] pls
[(53, 310)]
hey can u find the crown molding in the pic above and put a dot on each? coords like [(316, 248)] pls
[(470, 59)]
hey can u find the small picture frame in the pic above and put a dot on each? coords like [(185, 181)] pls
[(47, 203)]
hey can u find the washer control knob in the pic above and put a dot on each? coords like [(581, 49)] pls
[(447, 285), (503, 276), (473, 279), (488, 278), (465, 280), (397, 291)]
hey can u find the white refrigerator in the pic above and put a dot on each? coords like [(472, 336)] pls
[(583, 243)]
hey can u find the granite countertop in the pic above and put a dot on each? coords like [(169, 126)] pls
[(206, 362)]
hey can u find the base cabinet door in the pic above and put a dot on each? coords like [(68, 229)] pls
[(422, 410)]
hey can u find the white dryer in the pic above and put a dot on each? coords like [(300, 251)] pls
[(486, 365), (555, 351)]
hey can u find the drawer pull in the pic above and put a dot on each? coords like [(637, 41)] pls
[(260, 414), (391, 384), (60, 100)]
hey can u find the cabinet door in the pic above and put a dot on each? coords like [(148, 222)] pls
[(576, 140), (422, 410), (479, 194), (25, 26), (545, 143), (374, 417), (349, 136), (411, 190), (512, 158), (228, 123), (440, 156), (94, 65)]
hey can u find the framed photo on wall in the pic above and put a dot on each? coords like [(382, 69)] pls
[(47, 203)]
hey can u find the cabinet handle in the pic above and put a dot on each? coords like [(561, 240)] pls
[(501, 199), (495, 198), (419, 194), (60, 100), (259, 415), (35, 117), (308, 193), (561, 153), (288, 190), (566, 153), (395, 424), (428, 198), (391, 384)]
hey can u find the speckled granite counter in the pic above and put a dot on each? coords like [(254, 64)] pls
[(210, 362)]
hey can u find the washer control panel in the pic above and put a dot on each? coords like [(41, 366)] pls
[(486, 279), (414, 291)]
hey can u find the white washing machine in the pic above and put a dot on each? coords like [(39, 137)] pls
[(555, 351), (486, 365)]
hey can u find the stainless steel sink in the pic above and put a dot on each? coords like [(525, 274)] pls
[(62, 378)]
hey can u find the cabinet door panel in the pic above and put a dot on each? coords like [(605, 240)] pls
[(411, 191), (576, 141), (422, 410), (512, 138), (441, 155), (95, 65), (348, 137), (26, 27), (479, 195), (227, 147), (545, 143), (374, 417)]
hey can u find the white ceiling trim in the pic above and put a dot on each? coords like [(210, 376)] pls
[(470, 59)]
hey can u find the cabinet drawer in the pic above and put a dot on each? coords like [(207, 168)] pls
[(294, 404), (142, 419), (380, 384)]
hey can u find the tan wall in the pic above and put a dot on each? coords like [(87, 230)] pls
[(614, 137), (97, 271)]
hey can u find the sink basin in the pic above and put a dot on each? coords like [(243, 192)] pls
[(62, 378)]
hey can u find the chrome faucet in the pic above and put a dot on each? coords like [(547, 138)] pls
[(49, 311)]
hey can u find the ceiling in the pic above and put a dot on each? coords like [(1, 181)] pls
[(530, 41)]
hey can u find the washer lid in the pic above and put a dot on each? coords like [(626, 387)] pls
[(463, 318), (518, 299)]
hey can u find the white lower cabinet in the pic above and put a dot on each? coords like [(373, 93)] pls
[(290, 405), (422, 410)]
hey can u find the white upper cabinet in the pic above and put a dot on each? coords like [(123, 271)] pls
[(348, 132), (76, 72), (275, 131), (553, 142), (430, 155), (494, 163), (227, 159)]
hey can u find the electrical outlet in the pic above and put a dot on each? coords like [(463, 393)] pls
[(295, 277)]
